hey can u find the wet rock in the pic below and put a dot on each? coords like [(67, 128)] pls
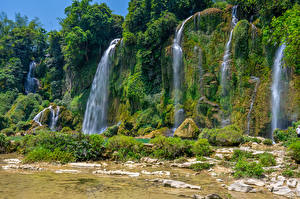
[(84, 165), (149, 160), (12, 161), (67, 171), (254, 182), (161, 173), (186, 164), (23, 167), (292, 183), (117, 172), (225, 150), (12, 166), (188, 129), (239, 186), (219, 180), (211, 196), (284, 191), (298, 189), (176, 184)]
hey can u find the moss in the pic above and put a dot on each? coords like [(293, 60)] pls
[(240, 39)]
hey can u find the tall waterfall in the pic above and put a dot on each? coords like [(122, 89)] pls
[(177, 63), (53, 117), (31, 82), (226, 60), (96, 108), (257, 82), (276, 87)]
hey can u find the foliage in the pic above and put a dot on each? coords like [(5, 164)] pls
[(228, 136), (251, 139), (202, 148), (267, 160), (4, 143), (268, 142), (241, 155), (243, 168), (201, 166), (124, 148), (288, 173), (285, 136), (295, 151), (171, 148)]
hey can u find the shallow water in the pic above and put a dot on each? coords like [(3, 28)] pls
[(47, 184)]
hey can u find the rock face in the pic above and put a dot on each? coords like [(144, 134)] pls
[(188, 129), (176, 184)]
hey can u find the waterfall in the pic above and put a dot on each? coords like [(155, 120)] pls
[(177, 63), (226, 60), (31, 82), (53, 117), (257, 82), (96, 108), (276, 87)]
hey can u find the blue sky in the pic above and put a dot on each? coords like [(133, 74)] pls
[(49, 10)]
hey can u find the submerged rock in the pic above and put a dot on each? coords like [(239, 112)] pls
[(176, 184), (12, 161), (67, 171), (23, 167), (161, 173), (84, 165), (188, 129), (117, 172)]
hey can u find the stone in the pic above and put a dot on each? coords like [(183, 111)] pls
[(298, 189), (254, 182), (149, 160), (84, 165), (117, 172), (176, 184), (12, 161), (284, 191), (292, 183), (188, 129), (166, 173), (67, 171), (159, 132), (186, 164), (239, 186), (213, 196), (219, 180)]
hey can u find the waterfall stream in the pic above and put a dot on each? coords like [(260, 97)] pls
[(276, 88), (177, 63), (96, 109), (31, 82), (53, 117), (257, 82), (225, 63)]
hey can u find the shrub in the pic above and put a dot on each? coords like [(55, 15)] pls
[(201, 166), (241, 155), (8, 131), (268, 142), (124, 147), (251, 139), (267, 160), (288, 173), (244, 168), (4, 143), (228, 136), (202, 148), (111, 131), (295, 151), (284, 135), (23, 126), (171, 148)]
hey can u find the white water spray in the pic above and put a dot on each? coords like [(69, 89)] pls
[(95, 116), (53, 120), (31, 82)]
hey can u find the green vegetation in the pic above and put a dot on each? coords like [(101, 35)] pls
[(241, 155), (201, 166), (268, 142), (267, 160), (4, 143), (202, 148), (295, 151), (243, 168)]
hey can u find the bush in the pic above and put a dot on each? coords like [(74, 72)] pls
[(244, 168), (111, 131), (295, 151), (201, 166), (288, 173), (124, 148), (251, 139), (23, 126), (284, 135), (228, 136), (268, 142), (8, 131), (171, 148), (241, 155), (202, 148), (267, 160), (4, 143)]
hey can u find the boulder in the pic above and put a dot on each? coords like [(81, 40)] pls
[(239, 186), (292, 183), (298, 189), (163, 131), (254, 182), (176, 184), (284, 191), (117, 172), (188, 129)]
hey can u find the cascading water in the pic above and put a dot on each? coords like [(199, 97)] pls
[(177, 63), (53, 119), (31, 82), (257, 82), (226, 60), (276, 88), (96, 108)]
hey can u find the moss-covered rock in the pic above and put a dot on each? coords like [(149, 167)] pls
[(188, 129), (159, 132)]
